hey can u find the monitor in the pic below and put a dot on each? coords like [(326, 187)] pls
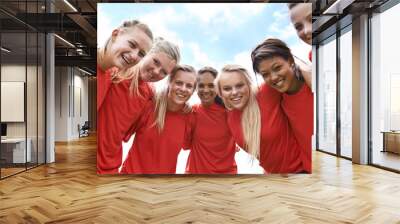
[(3, 129)]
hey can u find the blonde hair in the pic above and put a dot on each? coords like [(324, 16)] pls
[(251, 116), (133, 73), (125, 26), (161, 99)]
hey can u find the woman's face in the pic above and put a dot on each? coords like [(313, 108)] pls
[(234, 89), (278, 73), (301, 19), (156, 66), (181, 87), (205, 88), (128, 47)]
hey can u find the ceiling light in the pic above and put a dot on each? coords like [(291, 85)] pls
[(70, 5), (5, 50), (337, 7), (65, 41), (86, 72)]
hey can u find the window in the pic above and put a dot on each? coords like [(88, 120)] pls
[(346, 92), (385, 89), (327, 96)]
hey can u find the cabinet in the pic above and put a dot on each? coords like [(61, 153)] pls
[(391, 141), (13, 150)]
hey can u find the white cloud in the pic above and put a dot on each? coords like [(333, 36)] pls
[(214, 38), (160, 20), (281, 14), (244, 59), (283, 33), (200, 58), (205, 12), (228, 13), (104, 27), (251, 9), (280, 29), (301, 50)]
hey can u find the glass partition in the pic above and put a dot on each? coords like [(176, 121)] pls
[(14, 153), (22, 89), (327, 96), (385, 89), (346, 92)]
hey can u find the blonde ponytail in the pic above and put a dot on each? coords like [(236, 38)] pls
[(161, 101), (251, 125)]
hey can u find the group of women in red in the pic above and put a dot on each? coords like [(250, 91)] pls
[(272, 122)]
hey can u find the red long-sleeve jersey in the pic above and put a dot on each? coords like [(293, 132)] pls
[(299, 110), (212, 147), (103, 84), (155, 152), (280, 152), (119, 110)]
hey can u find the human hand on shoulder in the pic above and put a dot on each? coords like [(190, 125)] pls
[(305, 70)]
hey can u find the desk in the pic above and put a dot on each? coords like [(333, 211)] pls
[(13, 150), (391, 141)]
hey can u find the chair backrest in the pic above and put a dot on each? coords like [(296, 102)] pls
[(86, 125)]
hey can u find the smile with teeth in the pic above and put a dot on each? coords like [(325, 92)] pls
[(125, 59), (206, 95), (279, 83), (180, 95), (236, 99)]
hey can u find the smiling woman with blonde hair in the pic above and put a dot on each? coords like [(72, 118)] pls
[(258, 123), (125, 100), (161, 130), (162, 57), (235, 87), (126, 46)]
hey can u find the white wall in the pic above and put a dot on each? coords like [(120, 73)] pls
[(61, 103), (80, 84), (16, 73), (69, 85), (33, 127)]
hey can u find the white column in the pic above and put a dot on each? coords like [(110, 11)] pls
[(360, 90), (50, 100), (314, 89), (50, 93)]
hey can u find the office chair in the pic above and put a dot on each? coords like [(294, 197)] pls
[(84, 130)]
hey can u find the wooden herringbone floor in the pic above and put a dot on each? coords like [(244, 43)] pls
[(69, 191)]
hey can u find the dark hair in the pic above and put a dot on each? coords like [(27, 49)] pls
[(291, 5), (214, 73), (209, 69), (218, 100), (270, 48)]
